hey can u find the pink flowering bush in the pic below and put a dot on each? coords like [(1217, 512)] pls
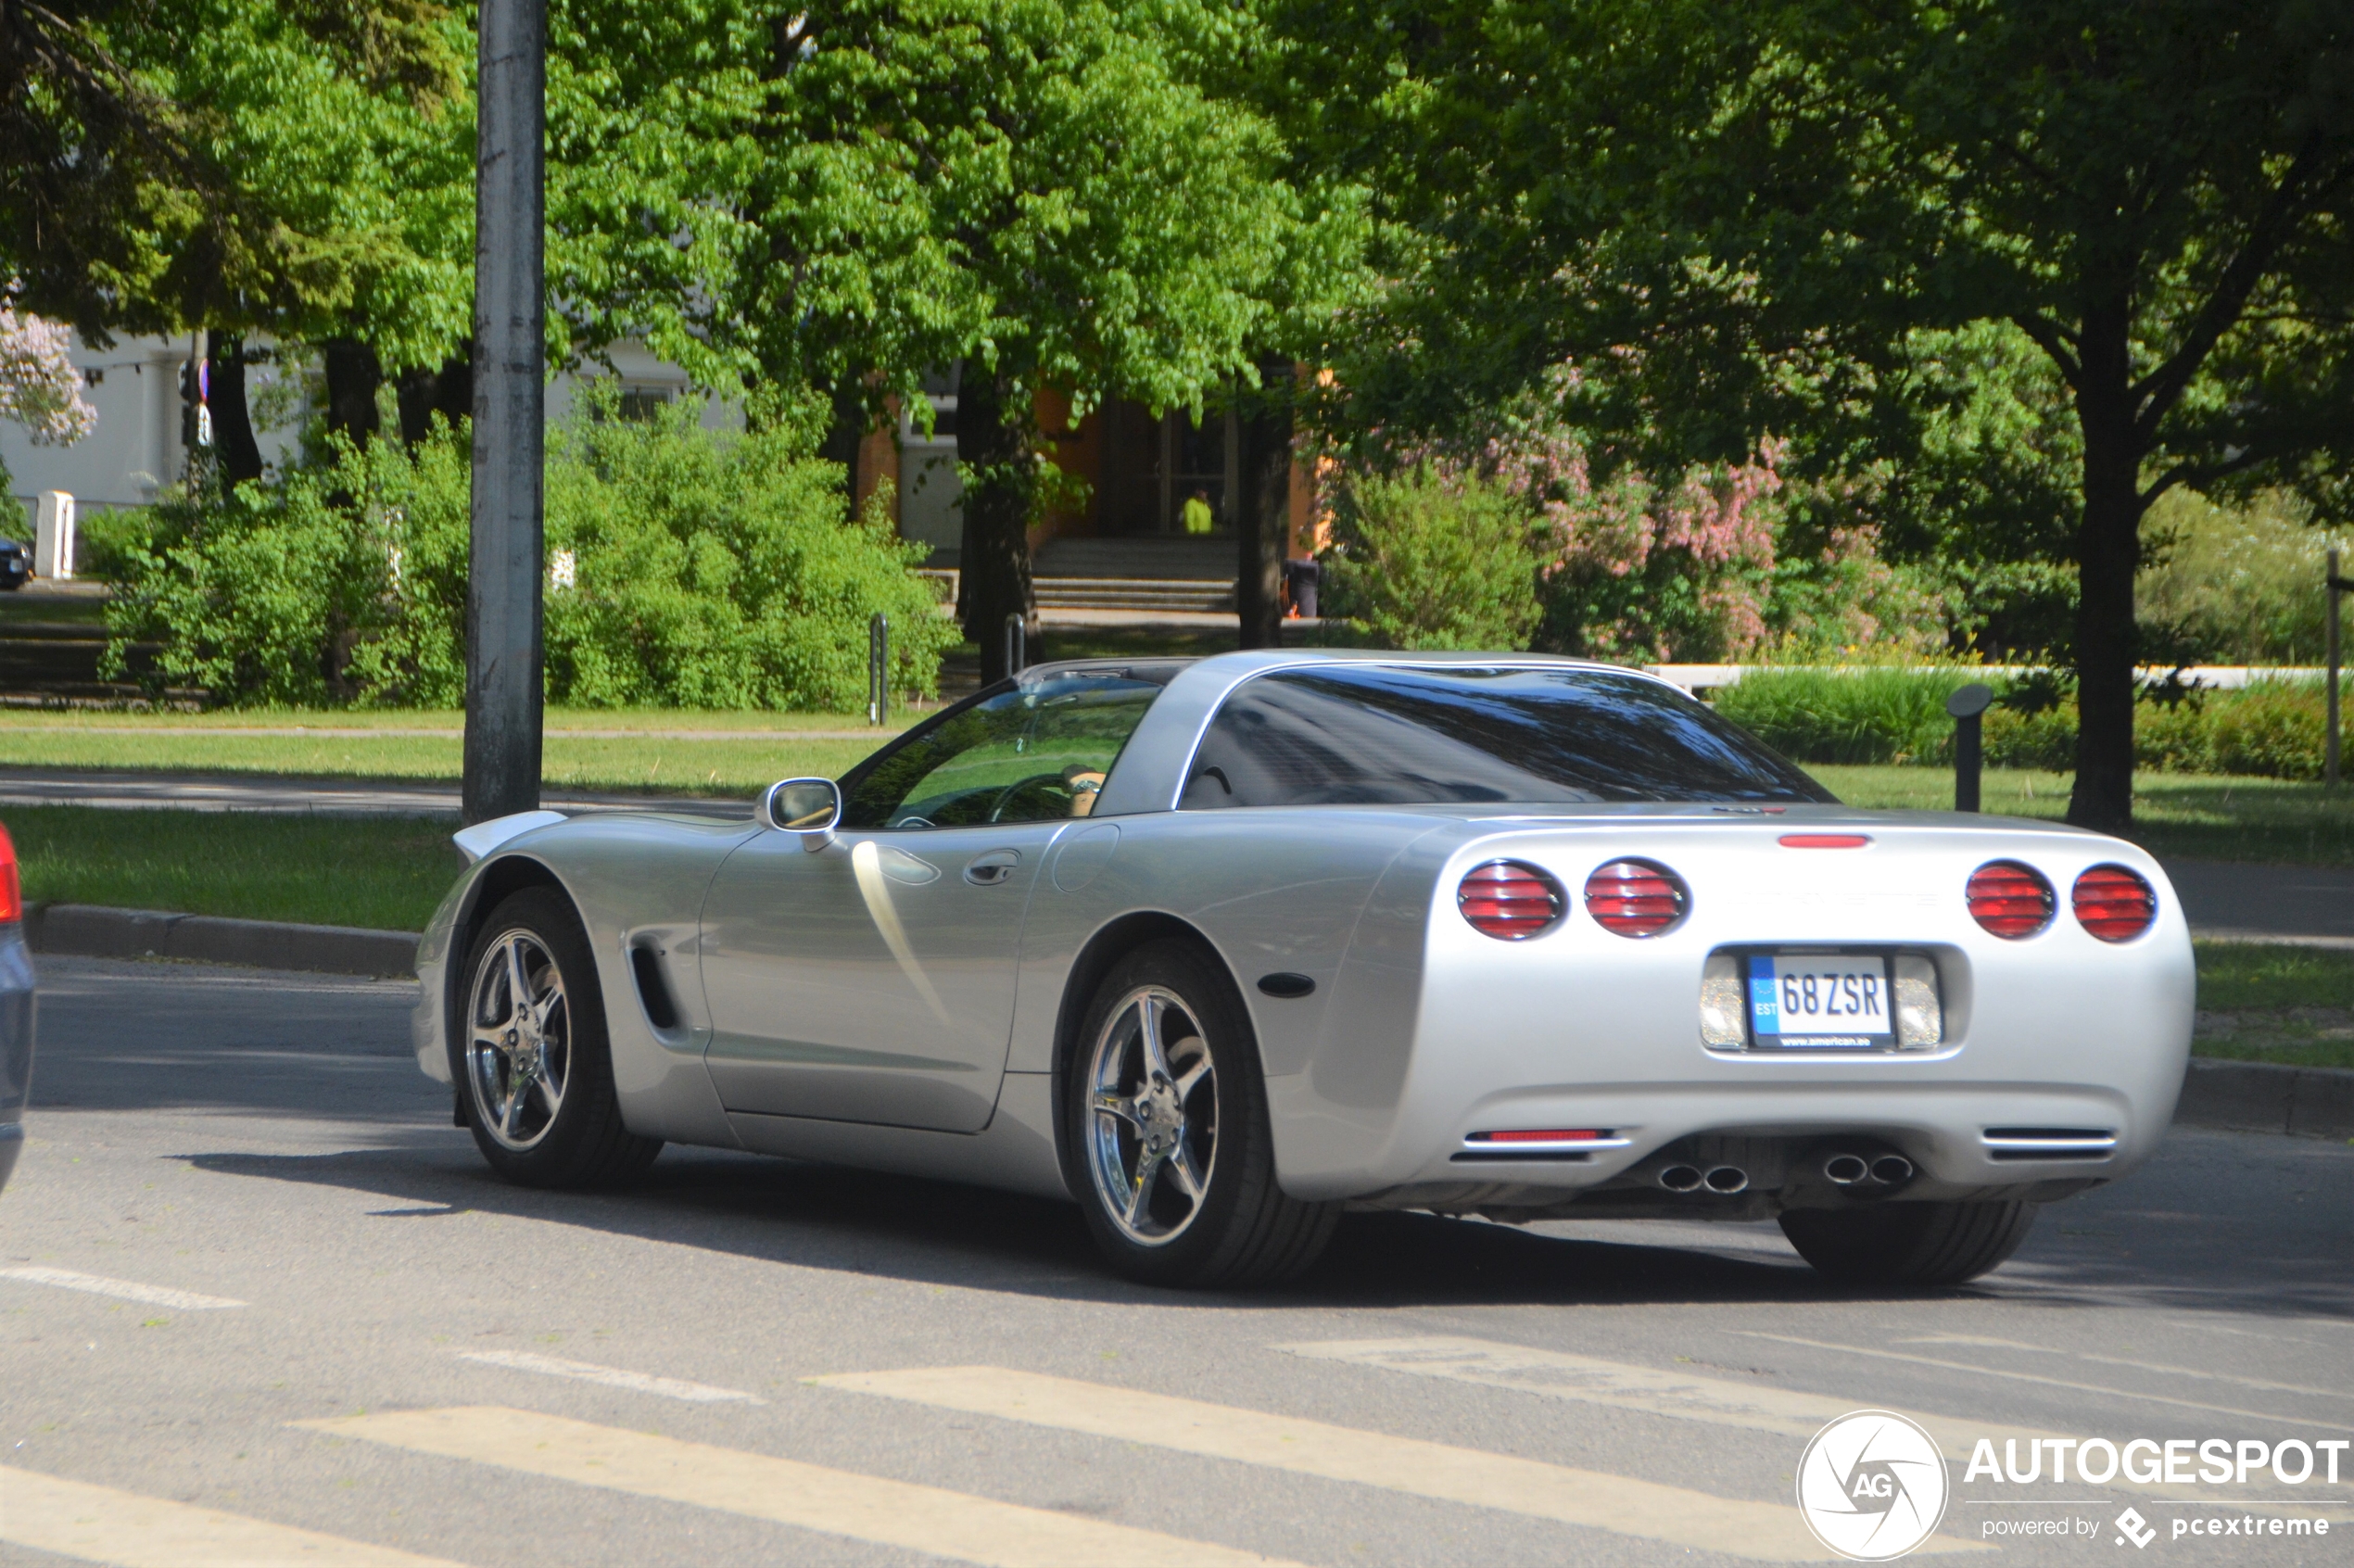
[(1721, 562), (39, 388)]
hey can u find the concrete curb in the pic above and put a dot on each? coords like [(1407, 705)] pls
[(2267, 1097), (93, 932)]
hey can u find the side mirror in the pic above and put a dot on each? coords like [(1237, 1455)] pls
[(809, 808)]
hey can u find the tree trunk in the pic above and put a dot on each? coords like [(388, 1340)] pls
[(232, 442), (2107, 552), (1262, 512), (995, 457), (353, 376), (449, 392)]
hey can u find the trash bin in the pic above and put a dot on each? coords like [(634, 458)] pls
[(1299, 579)]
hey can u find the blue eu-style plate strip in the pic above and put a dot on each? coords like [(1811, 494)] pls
[(1765, 1001)]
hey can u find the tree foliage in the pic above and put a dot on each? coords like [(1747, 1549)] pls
[(1799, 216)]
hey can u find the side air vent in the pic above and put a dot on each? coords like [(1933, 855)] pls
[(653, 987), (2049, 1142)]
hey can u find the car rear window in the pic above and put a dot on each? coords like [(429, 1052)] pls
[(1379, 734)]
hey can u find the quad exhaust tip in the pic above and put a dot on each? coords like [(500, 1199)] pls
[(1681, 1178), (1728, 1179), (1892, 1170), (1846, 1169)]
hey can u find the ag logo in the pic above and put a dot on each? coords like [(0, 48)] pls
[(1871, 1485)]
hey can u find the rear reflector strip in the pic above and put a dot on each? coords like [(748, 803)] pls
[(1824, 841), (1541, 1143), (2007, 1143)]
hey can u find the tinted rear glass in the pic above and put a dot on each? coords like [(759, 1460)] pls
[(1376, 734)]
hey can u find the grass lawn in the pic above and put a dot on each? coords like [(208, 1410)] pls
[(2192, 815), (387, 873), (673, 752), (2290, 1004)]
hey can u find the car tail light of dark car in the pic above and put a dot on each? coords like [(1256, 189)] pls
[(1634, 898), (2113, 903), (1510, 900), (2011, 900), (11, 887)]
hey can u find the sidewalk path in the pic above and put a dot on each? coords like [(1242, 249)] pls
[(2233, 901), (322, 797), (2225, 900)]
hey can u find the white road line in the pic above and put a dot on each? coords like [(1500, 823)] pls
[(101, 1524), (2047, 1382), (1769, 1532), (833, 1502), (128, 1290), (2261, 1384), (611, 1377)]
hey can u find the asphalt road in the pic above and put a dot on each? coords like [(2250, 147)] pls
[(252, 1283)]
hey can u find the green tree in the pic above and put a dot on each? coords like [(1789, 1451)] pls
[(1041, 191), (1774, 202)]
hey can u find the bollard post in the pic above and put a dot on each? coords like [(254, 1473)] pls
[(2333, 585), (1969, 707), (1017, 640), (877, 668)]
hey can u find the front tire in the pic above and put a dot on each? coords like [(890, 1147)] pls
[(1165, 1121), (1908, 1245), (534, 1066)]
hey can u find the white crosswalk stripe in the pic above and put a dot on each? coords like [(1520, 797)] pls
[(122, 1290), (834, 1502), (610, 1377), (102, 1524), (1788, 1412), (1766, 1531)]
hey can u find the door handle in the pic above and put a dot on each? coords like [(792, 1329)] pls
[(988, 870)]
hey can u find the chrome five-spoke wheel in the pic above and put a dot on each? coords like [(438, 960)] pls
[(1153, 1108), (519, 1040)]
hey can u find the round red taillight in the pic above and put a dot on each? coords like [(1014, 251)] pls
[(2011, 900), (1634, 898), (1509, 899), (2113, 903)]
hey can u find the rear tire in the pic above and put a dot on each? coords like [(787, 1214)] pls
[(1164, 1085), (536, 1082), (1917, 1245)]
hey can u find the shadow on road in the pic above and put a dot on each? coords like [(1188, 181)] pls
[(824, 1217)]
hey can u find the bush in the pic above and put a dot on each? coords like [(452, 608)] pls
[(105, 539), (1848, 716), (709, 569), (1435, 561), (2271, 729)]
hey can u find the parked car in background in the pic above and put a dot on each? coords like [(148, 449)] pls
[(16, 564), (16, 1010), (1220, 949)]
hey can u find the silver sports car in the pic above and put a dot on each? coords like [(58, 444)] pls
[(1222, 948)]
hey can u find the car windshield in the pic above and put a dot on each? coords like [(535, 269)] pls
[(1379, 734)]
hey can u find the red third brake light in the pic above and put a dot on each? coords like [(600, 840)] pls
[(2011, 900), (1634, 898), (11, 888), (1509, 899), (2114, 904)]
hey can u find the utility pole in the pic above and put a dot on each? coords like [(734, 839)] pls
[(504, 695)]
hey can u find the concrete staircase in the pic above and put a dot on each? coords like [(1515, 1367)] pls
[(1186, 575)]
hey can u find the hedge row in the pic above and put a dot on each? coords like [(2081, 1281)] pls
[(2272, 729)]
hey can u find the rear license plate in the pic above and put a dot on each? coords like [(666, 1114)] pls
[(1820, 1002)]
